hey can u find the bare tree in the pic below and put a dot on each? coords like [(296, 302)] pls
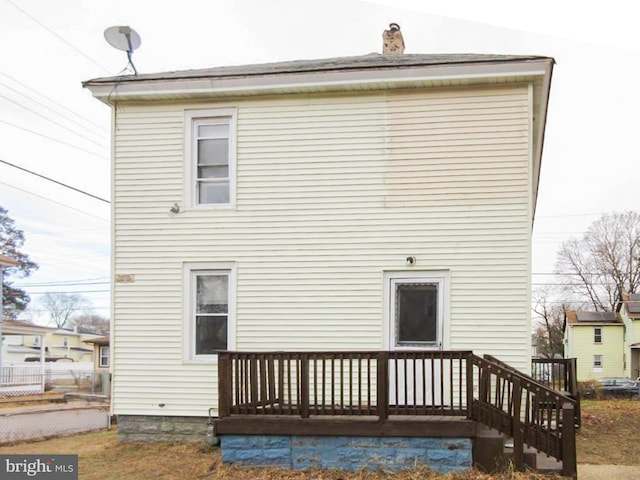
[(605, 262), (549, 332), (61, 306), (90, 322)]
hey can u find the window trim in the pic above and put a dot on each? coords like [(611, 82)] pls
[(191, 117), (190, 270), (442, 279), (597, 332), (598, 368), (102, 364)]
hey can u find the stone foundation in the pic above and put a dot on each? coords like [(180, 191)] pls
[(348, 453), (150, 428)]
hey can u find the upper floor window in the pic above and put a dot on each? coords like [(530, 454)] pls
[(210, 157), (597, 335)]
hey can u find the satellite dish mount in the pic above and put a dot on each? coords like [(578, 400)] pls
[(126, 39)]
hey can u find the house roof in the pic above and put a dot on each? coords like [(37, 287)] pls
[(16, 327), (593, 318), (98, 341), (365, 72), (362, 62), (632, 301)]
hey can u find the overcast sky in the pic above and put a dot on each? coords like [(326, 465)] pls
[(51, 126)]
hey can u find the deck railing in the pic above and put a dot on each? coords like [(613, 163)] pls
[(383, 384), (558, 374)]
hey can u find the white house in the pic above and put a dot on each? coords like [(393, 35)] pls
[(378, 202)]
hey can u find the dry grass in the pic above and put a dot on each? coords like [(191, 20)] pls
[(610, 435), (102, 457), (610, 432)]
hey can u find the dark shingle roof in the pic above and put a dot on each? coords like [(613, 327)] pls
[(597, 316), (633, 304), (370, 61), (594, 318)]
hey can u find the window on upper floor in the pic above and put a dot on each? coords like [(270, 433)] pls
[(210, 157), (210, 323), (597, 335)]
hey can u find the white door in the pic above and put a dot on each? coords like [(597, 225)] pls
[(416, 322)]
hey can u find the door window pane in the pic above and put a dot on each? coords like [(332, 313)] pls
[(416, 314)]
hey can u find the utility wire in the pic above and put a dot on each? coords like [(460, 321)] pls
[(70, 45), (75, 132), (53, 139), (55, 181), (49, 99), (57, 203)]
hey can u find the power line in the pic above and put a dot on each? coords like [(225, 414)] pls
[(69, 292), (70, 45), (20, 127), (58, 124), (82, 281), (57, 104), (57, 203), (55, 181)]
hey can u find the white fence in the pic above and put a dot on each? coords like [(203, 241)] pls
[(25, 378)]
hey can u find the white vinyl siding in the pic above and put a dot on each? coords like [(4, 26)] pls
[(331, 192)]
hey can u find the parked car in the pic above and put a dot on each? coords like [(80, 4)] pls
[(619, 387)]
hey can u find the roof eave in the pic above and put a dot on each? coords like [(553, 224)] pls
[(124, 89)]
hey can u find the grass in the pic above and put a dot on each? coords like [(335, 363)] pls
[(610, 435), (610, 432)]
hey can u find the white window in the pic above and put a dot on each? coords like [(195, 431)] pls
[(597, 363), (597, 335), (104, 356), (416, 309), (210, 157), (210, 314)]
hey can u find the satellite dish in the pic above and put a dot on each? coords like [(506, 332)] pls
[(124, 38)]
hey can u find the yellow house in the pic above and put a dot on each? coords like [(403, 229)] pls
[(101, 355), (630, 314), (596, 340), (63, 343)]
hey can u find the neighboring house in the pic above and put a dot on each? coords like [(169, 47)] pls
[(629, 311), (69, 343), (101, 357), (596, 340), (363, 203), (60, 343)]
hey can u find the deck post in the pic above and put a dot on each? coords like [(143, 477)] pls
[(518, 442), (225, 387), (469, 387), (569, 460), (382, 380), (304, 386)]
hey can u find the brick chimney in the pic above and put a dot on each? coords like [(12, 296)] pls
[(392, 41)]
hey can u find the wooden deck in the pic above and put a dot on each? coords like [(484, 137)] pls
[(352, 425), (392, 394)]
